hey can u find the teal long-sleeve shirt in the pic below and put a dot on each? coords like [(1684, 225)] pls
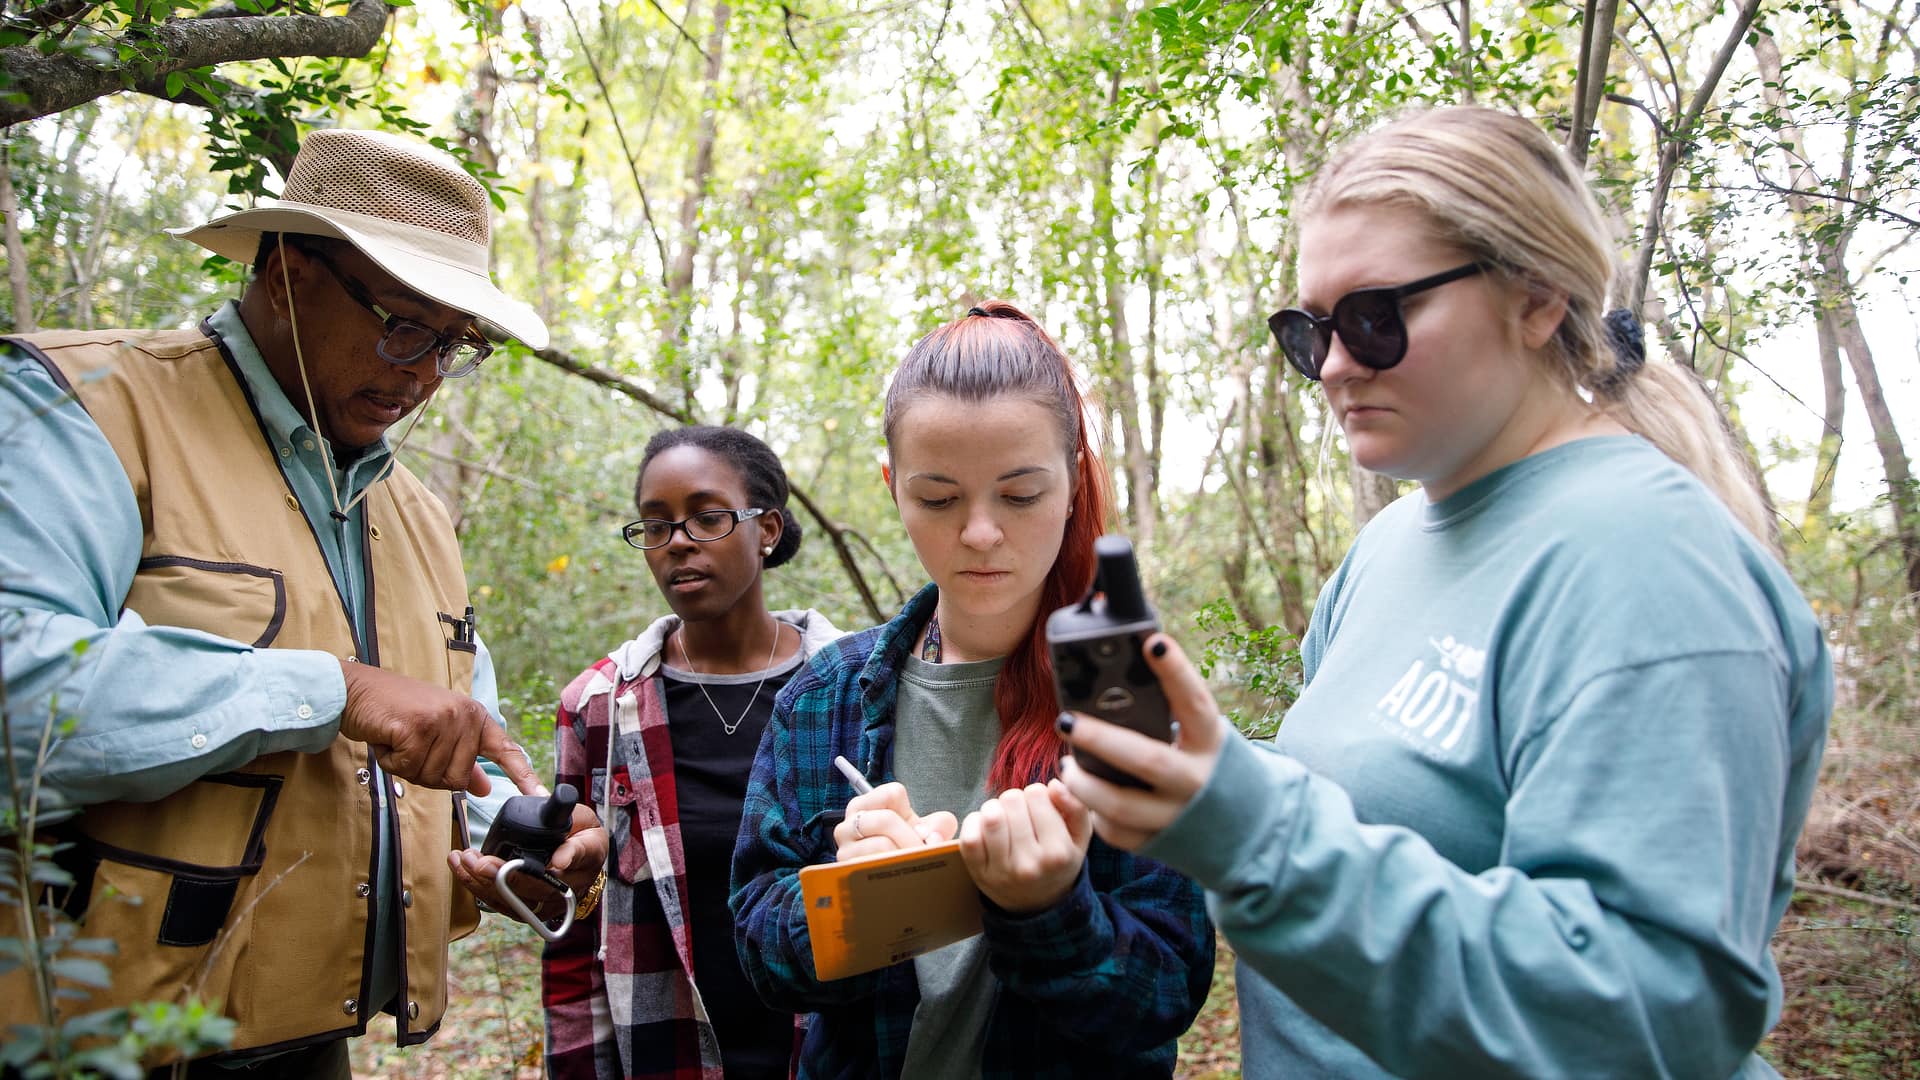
[(155, 707), (1534, 814)]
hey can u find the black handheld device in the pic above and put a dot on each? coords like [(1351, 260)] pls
[(1097, 665), (525, 835)]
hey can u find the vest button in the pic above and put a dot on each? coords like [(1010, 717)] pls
[(350, 1006), (406, 898), (293, 504), (363, 890), (353, 659), (363, 776), (399, 790), (413, 1010), (373, 531)]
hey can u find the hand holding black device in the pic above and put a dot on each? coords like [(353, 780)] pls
[(1098, 668), (526, 833)]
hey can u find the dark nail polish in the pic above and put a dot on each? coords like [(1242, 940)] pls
[(1159, 649), (1064, 723)]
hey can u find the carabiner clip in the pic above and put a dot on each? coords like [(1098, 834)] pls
[(519, 906)]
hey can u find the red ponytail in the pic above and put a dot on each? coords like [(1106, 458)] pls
[(1030, 747)]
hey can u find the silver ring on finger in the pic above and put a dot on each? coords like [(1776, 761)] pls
[(857, 833)]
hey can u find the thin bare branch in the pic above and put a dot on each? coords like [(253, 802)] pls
[(565, 361), (626, 150), (671, 21)]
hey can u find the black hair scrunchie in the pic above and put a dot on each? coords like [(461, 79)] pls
[(1628, 339)]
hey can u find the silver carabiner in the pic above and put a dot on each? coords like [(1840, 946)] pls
[(519, 907)]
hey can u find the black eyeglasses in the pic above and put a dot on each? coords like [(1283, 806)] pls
[(407, 340), (705, 527), (1368, 321)]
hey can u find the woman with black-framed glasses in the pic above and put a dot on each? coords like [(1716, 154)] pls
[(661, 734), (1534, 812)]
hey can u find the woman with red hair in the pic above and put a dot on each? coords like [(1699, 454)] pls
[(1091, 961)]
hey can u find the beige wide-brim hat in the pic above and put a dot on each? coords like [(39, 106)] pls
[(407, 206)]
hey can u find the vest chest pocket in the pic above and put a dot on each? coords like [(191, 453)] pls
[(235, 600)]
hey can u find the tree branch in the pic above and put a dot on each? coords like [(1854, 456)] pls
[(1636, 103), (689, 37), (43, 84), (47, 16), (837, 534), (899, 594), (1783, 189), (565, 361), (1672, 148)]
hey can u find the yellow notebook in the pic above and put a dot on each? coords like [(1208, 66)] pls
[(876, 910)]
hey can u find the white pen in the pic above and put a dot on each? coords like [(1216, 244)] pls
[(860, 785)]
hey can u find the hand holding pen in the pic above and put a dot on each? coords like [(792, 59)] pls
[(882, 818)]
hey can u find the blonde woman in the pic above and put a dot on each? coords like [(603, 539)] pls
[(1534, 813)]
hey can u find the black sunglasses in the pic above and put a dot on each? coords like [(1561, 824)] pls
[(406, 341), (1368, 321)]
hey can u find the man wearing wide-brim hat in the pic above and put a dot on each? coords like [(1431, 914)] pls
[(256, 619)]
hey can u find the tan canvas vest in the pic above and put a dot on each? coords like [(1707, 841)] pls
[(254, 886)]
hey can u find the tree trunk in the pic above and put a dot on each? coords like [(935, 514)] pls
[(1596, 43), (1893, 453), (1826, 460), (1124, 394), (1802, 178), (1372, 493), (545, 272), (22, 290), (699, 174)]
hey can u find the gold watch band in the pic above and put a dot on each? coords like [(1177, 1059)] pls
[(591, 898)]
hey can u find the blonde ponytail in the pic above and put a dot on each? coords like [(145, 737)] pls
[(1671, 408)]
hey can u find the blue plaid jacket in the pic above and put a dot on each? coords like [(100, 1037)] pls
[(1100, 985)]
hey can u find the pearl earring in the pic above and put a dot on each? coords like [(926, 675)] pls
[(768, 550)]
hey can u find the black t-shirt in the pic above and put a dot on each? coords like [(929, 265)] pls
[(710, 772)]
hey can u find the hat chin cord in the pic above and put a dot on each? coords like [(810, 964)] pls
[(313, 414)]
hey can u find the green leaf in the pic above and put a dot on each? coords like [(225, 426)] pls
[(101, 1023), (81, 970), (23, 1043)]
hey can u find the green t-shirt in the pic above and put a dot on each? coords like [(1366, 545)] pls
[(944, 734)]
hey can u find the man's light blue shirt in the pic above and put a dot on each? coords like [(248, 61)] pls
[(152, 708)]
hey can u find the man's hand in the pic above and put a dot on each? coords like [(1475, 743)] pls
[(429, 735)]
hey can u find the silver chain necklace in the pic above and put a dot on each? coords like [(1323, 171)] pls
[(765, 672)]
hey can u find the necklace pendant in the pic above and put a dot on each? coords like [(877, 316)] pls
[(929, 649), (766, 672)]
